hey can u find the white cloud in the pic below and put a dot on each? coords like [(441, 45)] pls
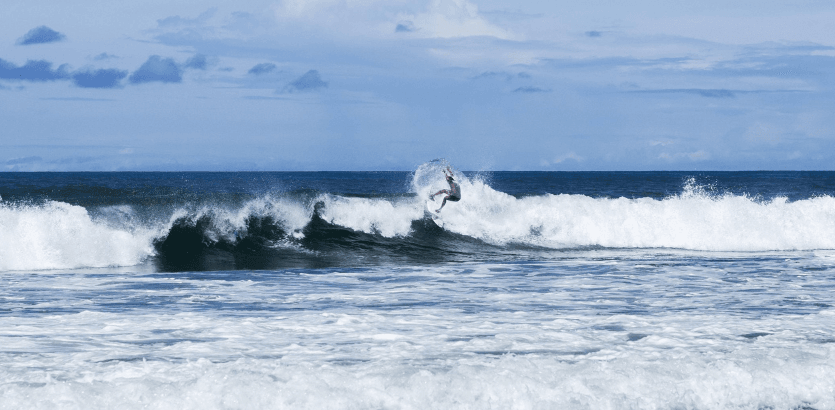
[(432, 19), (316, 9), (453, 18)]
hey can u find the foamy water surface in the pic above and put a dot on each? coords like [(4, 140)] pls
[(594, 329), (600, 295)]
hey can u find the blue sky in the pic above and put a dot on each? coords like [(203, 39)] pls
[(387, 85)]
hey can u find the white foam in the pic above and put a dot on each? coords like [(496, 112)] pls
[(508, 382), (59, 235), (649, 330), (374, 216), (691, 220), (231, 222)]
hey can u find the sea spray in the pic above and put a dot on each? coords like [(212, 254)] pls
[(694, 220), (57, 235)]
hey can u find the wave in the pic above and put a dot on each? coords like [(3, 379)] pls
[(693, 219), (304, 229), (56, 235)]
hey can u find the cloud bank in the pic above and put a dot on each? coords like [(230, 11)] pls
[(33, 70), (155, 69)]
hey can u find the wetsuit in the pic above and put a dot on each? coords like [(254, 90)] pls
[(453, 193)]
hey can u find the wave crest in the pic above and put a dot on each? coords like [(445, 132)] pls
[(57, 235), (695, 219), (323, 229)]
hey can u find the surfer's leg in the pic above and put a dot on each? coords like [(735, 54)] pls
[(443, 191), (442, 205)]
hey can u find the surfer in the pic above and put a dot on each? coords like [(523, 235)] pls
[(452, 194)]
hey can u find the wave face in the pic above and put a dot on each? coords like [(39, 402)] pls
[(197, 221)]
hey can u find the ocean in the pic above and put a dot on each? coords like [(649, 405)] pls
[(338, 290)]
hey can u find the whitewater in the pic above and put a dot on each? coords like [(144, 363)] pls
[(337, 290), (55, 234)]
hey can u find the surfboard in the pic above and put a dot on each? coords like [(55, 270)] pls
[(431, 206)]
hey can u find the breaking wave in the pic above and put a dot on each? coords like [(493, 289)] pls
[(303, 229), (57, 235)]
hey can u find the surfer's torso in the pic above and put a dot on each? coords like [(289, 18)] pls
[(454, 190)]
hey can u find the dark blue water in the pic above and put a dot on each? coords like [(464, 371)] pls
[(99, 188)]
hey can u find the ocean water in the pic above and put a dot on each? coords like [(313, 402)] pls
[(338, 290)]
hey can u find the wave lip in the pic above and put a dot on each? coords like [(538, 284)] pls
[(374, 216)]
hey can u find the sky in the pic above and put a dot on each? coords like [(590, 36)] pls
[(295, 85)]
